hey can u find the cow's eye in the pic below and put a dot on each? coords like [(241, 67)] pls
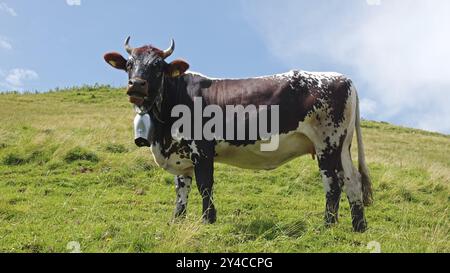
[(129, 65), (157, 62)]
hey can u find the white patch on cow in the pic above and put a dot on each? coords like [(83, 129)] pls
[(291, 145), (310, 77), (320, 75), (280, 76), (182, 188), (326, 182), (306, 75), (352, 178), (194, 149), (174, 164)]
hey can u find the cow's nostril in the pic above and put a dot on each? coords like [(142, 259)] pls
[(130, 82)]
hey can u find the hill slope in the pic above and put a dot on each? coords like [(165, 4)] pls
[(69, 171)]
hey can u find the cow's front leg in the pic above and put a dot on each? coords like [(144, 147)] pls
[(182, 188), (204, 175)]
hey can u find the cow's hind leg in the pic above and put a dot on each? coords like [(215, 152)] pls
[(182, 188), (331, 170), (353, 189)]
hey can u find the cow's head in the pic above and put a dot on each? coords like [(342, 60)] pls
[(146, 68)]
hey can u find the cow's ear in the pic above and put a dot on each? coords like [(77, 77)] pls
[(177, 68), (116, 60)]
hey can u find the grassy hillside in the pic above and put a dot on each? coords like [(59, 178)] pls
[(69, 171)]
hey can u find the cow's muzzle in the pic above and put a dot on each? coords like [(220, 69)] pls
[(137, 90)]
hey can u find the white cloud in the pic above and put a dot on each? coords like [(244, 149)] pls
[(4, 43), (373, 2), (4, 7), (73, 2), (15, 79), (397, 50)]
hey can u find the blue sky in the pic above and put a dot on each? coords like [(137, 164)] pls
[(396, 51)]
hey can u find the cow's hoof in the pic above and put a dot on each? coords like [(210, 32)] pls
[(180, 211), (208, 221), (331, 219), (209, 217), (330, 225), (178, 219), (179, 215), (360, 226)]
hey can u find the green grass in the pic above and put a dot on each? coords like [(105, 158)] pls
[(69, 171)]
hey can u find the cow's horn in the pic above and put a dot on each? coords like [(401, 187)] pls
[(128, 48), (169, 51)]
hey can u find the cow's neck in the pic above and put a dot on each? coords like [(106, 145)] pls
[(161, 117)]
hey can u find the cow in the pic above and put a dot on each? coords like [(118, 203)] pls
[(318, 115)]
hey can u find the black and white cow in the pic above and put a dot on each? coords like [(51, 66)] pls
[(318, 114)]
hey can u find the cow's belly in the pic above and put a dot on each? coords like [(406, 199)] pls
[(291, 145), (174, 164)]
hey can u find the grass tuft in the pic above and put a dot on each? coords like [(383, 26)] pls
[(79, 153), (116, 148), (14, 159)]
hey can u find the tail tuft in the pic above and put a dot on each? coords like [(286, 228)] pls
[(366, 188)]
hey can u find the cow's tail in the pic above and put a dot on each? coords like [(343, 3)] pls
[(362, 166)]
